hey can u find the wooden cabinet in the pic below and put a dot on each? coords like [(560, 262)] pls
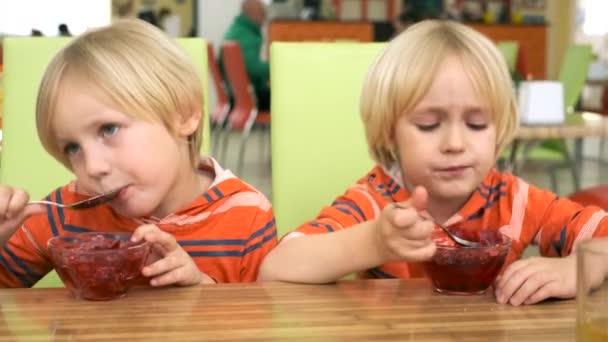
[(532, 39), (301, 31)]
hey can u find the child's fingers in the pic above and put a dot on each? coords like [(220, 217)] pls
[(164, 265), (546, 291), (177, 276), (32, 209), (16, 204), (10, 200), (512, 283), (510, 271), (530, 286), (153, 234), (413, 250), (424, 253), (419, 198), (165, 240), (402, 218), (5, 197), (141, 231)]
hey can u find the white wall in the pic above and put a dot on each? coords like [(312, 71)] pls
[(214, 17), (20, 17)]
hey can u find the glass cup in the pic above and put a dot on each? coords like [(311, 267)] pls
[(592, 291)]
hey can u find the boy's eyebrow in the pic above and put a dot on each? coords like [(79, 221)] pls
[(91, 124), (442, 110)]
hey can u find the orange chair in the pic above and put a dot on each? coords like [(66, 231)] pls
[(521, 65), (597, 195), (244, 113), (222, 104)]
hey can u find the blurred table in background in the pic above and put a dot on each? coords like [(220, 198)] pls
[(577, 127)]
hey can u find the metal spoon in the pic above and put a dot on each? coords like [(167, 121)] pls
[(87, 203), (460, 241)]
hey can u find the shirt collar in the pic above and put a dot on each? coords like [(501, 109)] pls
[(389, 181)]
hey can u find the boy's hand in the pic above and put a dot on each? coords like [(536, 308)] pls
[(531, 280), (402, 233), (170, 263), (14, 210)]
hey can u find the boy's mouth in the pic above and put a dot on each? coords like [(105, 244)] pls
[(452, 171), (454, 168)]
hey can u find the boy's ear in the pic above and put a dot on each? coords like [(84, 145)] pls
[(188, 123)]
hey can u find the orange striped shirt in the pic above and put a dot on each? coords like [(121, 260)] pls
[(502, 201), (227, 231)]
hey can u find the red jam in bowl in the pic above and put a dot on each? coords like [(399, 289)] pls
[(467, 270), (98, 266)]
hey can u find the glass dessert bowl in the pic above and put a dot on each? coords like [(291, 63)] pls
[(467, 270), (98, 266)]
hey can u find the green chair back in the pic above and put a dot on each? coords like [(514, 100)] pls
[(317, 138), (24, 162), (509, 49), (573, 73)]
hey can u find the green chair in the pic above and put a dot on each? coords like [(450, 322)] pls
[(317, 138), (509, 49), (24, 162), (555, 152)]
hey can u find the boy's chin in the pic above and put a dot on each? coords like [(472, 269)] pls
[(131, 212), (452, 191)]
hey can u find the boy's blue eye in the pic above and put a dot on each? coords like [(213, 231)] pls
[(109, 129), (427, 128), (71, 149)]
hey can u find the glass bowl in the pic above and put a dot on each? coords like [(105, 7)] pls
[(98, 266), (467, 270)]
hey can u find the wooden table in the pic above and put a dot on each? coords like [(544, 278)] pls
[(577, 127), (349, 310), (583, 125)]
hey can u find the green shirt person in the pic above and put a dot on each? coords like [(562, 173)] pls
[(246, 30)]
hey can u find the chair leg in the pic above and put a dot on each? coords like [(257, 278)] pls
[(244, 138), (262, 143), (553, 176), (268, 147), (602, 146), (223, 155), (216, 138), (574, 162)]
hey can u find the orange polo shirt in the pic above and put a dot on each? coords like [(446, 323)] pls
[(502, 201), (227, 231)]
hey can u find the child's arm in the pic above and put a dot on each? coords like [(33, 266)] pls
[(22, 257), (560, 225), (262, 238), (397, 234), (14, 209)]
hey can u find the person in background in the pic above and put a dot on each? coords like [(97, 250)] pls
[(407, 18), (64, 31), (246, 29), (121, 107), (438, 108)]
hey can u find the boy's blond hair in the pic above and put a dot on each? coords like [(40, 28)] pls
[(133, 65), (403, 73)]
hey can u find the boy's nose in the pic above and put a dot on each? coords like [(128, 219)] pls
[(96, 164), (453, 140)]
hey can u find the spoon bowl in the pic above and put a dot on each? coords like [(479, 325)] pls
[(86, 203)]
